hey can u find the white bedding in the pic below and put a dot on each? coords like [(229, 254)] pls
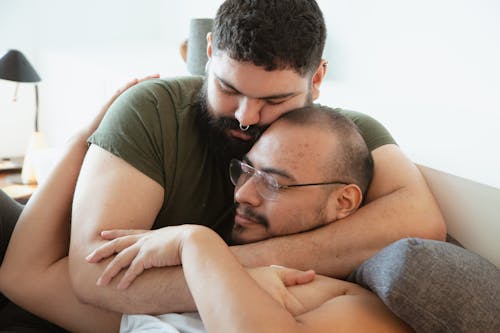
[(189, 322)]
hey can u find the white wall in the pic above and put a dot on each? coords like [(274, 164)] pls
[(427, 69), (84, 51)]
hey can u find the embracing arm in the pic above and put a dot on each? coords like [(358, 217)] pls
[(247, 300), (243, 306), (399, 204), (112, 194)]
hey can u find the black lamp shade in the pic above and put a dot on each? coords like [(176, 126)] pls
[(15, 67)]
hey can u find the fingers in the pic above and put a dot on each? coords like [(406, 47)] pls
[(116, 233), (292, 277), (293, 305), (121, 261), (108, 249), (136, 268), (92, 126), (304, 277), (131, 84), (126, 87), (149, 77)]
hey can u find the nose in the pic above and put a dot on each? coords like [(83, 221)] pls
[(248, 112), (247, 193)]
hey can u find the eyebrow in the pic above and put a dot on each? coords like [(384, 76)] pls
[(274, 171), (275, 96)]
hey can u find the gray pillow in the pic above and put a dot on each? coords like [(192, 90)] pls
[(435, 286)]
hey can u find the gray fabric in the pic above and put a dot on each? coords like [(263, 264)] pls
[(435, 286)]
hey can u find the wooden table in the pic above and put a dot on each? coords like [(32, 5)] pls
[(10, 184)]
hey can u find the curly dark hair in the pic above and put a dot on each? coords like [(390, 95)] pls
[(274, 34)]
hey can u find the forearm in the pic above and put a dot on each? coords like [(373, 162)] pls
[(242, 306), (156, 291), (34, 274), (336, 249), (48, 294), (95, 210), (45, 221)]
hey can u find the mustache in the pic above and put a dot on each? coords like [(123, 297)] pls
[(224, 123), (247, 212)]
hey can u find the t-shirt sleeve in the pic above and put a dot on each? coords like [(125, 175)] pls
[(373, 132), (132, 130)]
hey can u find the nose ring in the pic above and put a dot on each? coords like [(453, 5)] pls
[(244, 128)]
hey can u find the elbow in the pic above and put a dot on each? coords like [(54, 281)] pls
[(81, 281), (81, 291), (431, 224), (440, 230), (16, 283), (436, 229)]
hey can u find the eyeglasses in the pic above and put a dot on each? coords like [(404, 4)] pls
[(266, 184)]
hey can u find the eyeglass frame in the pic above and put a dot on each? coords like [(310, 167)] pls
[(261, 174)]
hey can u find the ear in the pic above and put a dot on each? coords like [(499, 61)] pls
[(317, 78), (209, 45), (346, 201)]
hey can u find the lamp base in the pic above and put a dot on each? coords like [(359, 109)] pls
[(37, 142)]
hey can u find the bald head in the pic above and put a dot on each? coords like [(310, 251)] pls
[(350, 158)]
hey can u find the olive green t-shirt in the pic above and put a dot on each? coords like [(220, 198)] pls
[(373, 132), (153, 127)]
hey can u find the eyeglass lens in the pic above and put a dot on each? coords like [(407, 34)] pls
[(266, 184)]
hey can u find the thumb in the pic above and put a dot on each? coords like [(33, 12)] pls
[(291, 277)]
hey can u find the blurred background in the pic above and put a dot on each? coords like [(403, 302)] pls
[(428, 70)]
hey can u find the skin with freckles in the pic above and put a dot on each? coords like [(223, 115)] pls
[(293, 159)]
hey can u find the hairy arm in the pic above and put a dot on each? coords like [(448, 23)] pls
[(248, 300), (130, 200), (399, 204)]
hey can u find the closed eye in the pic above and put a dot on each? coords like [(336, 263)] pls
[(226, 89), (275, 101)]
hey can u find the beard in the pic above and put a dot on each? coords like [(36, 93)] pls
[(249, 213), (216, 130)]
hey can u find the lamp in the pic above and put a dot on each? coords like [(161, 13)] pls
[(197, 45), (15, 67)]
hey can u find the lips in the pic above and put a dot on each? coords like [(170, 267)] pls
[(243, 220), (239, 135)]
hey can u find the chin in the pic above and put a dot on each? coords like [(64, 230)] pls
[(238, 238)]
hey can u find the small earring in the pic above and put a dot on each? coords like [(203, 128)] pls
[(244, 128)]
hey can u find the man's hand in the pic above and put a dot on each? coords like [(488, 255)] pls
[(275, 280), (117, 207), (138, 250)]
